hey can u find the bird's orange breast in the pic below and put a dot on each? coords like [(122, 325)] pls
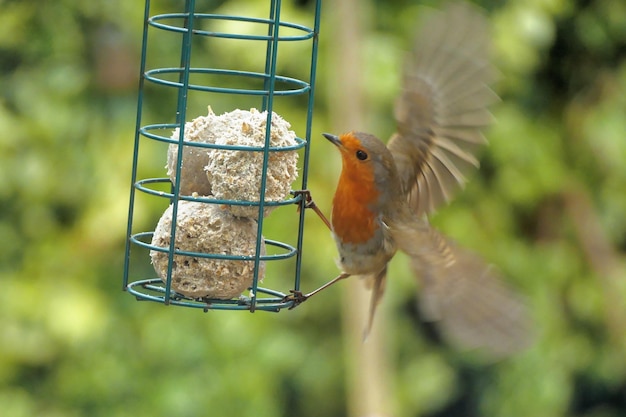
[(352, 218)]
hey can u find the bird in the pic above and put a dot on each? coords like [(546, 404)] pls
[(385, 193)]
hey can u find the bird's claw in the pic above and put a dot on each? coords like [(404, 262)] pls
[(296, 298), (308, 203)]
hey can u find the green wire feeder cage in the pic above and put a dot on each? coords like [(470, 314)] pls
[(226, 172)]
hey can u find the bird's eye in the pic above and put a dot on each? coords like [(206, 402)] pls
[(361, 155)]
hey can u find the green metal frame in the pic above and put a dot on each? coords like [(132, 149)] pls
[(153, 289)]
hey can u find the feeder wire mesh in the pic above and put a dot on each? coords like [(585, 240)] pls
[(160, 289)]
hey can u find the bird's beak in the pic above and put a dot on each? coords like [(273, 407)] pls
[(334, 139)]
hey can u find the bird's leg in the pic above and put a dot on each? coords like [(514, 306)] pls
[(341, 276), (298, 298), (309, 203)]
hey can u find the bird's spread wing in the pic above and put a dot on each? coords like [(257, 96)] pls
[(443, 105), (472, 306), (467, 298)]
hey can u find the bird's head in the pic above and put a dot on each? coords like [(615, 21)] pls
[(367, 163)]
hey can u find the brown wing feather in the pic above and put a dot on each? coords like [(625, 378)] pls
[(443, 106), (473, 306), (468, 299)]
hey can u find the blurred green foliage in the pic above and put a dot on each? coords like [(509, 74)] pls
[(547, 206)]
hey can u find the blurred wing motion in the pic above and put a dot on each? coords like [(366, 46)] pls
[(472, 305), (440, 114), (443, 106)]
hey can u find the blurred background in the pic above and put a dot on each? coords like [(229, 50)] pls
[(547, 207)]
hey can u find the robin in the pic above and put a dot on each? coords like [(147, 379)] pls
[(385, 193)]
